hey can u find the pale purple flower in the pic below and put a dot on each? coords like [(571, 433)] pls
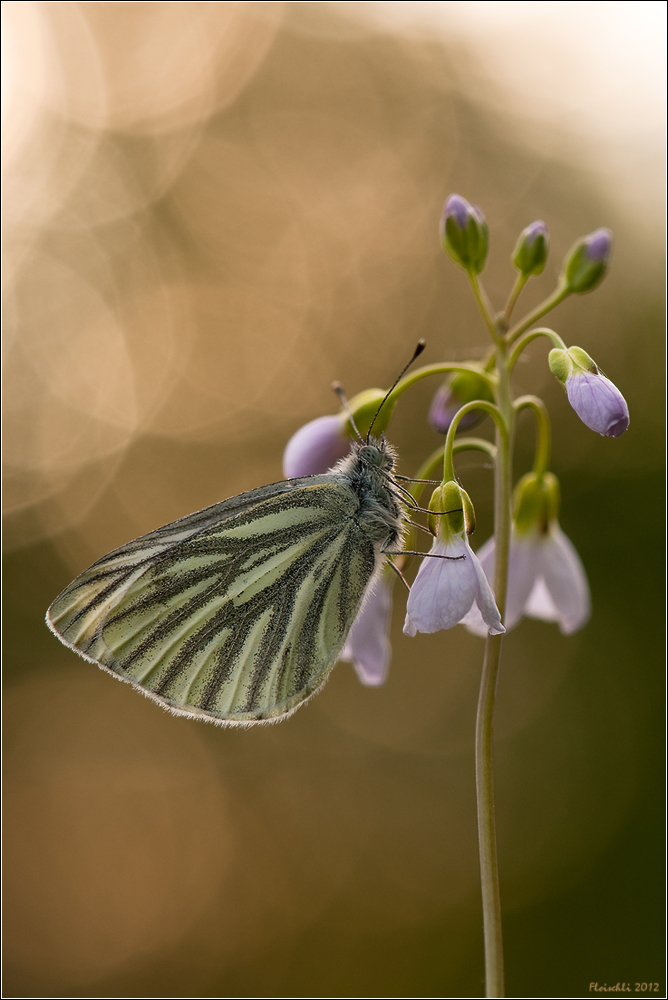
[(445, 589), (316, 447), (598, 403), (368, 644), (546, 580)]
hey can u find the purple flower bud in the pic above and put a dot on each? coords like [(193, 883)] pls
[(598, 403), (464, 233), (587, 262), (598, 246), (316, 447), (532, 248), (458, 208), (457, 390)]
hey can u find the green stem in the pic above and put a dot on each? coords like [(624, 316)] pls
[(520, 282), (560, 293), (427, 370), (476, 404), (543, 331), (489, 869), (541, 460), (484, 304)]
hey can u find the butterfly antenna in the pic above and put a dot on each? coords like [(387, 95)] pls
[(338, 389), (421, 344)]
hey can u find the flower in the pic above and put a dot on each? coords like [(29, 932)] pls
[(464, 233), (546, 578), (457, 390), (450, 579), (598, 403), (368, 644), (316, 447), (586, 262), (531, 250)]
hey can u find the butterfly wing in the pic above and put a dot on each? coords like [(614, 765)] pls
[(236, 613)]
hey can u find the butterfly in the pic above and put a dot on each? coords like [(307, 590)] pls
[(237, 614)]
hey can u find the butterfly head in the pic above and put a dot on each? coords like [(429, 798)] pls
[(377, 454)]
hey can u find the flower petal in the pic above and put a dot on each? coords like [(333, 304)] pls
[(485, 599), (522, 569), (565, 579), (540, 604), (368, 643), (444, 589)]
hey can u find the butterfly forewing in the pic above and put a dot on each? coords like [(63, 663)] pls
[(236, 613)]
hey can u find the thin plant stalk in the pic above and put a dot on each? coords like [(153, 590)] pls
[(489, 868)]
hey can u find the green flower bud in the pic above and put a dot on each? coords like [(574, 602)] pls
[(453, 512), (586, 263), (532, 248), (464, 233)]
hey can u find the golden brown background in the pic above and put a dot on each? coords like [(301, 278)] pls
[(211, 211)]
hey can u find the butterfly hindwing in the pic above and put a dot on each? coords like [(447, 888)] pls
[(236, 613)]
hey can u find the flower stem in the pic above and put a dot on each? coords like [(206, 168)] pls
[(484, 304), (489, 869), (560, 293)]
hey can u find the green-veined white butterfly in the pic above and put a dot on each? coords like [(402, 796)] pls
[(236, 614)]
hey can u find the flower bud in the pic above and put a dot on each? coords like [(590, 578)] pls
[(464, 233), (457, 390), (316, 447), (319, 445), (586, 264), (532, 248), (598, 403)]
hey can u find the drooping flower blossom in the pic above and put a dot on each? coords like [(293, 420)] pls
[(450, 580), (368, 644), (546, 579), (598, 403)]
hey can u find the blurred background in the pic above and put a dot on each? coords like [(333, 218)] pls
[(212, 210)]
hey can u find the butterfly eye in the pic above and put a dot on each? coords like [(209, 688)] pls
[(372, 455)]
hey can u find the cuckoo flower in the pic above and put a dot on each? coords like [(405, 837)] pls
[(450, 579), (546, 578), (598, 403)]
